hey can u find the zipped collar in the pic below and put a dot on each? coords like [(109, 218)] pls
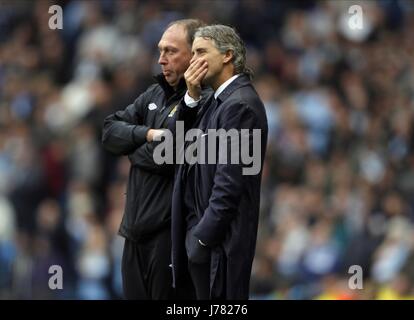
[(168, 90)]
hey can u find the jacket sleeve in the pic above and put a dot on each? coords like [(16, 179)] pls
[(124, 131), (228, 182), (143, 158)]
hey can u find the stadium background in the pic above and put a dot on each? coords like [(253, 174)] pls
[(338, 180)]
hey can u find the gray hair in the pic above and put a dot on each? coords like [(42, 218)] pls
[(226, 38)]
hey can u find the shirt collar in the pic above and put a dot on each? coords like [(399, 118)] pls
[(224, 85)]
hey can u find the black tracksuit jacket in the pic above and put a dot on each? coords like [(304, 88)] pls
[(149, 191)]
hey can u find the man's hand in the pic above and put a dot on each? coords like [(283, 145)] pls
[(193, 77), (153, 133)]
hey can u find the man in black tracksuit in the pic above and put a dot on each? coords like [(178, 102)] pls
[(146, 270)]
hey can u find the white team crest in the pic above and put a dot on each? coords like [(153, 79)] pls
[(152, 106)]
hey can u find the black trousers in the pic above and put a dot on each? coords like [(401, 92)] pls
[(146, 271)]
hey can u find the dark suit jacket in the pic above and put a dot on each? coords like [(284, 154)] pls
[(227, 202)]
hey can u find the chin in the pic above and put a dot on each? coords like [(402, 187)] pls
[(172, 82), (205, 82)]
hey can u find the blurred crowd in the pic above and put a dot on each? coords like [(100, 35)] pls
[(338, 180)]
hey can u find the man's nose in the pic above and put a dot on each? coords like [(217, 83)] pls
[(162, 60)]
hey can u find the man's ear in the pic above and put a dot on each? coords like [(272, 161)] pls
[(228, 56)]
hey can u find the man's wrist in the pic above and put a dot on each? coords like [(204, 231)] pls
[(149, 135), (190, 101)]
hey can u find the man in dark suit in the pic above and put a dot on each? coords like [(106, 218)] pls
[(215, 205)]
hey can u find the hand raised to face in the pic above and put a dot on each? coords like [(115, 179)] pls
[(194, 76)]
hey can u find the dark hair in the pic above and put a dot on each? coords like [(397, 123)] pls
[(190, 26)]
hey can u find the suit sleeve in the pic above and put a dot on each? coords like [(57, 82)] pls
[(189, 115), (186, 114), (124, 131), (228, 183)]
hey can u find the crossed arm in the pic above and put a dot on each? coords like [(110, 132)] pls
[(125, 134)]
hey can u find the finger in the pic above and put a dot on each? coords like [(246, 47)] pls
[(196, 62), (193, 63), (197, 72), (201, 75), (193, 67)]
